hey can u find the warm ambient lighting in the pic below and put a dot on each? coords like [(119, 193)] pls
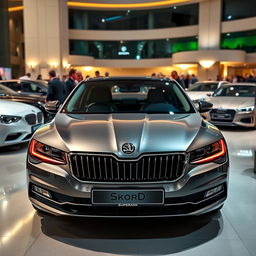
[(53, 64), (183, 66), (15, 9), (66, 65), (32, 65), (121, 6), (206, 63), (87, 68), (132, 5)]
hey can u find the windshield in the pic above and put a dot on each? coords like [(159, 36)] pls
[(5, 90), (236, 91), (128, 96), (200, 87)]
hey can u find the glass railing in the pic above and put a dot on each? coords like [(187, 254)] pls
[(142, 49), (174, 16)]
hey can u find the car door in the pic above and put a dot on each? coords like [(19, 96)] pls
[(31, 88)]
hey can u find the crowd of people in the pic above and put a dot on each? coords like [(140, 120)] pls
[(59, 89)]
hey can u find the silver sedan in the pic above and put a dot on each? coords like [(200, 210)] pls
[(233, 105), (126, 147)]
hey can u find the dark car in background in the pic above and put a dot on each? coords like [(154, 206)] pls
[(128, 146), (27, 87), (37, 101)]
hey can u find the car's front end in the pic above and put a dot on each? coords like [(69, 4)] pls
[(18, 121), (127, 164), (233, 105)]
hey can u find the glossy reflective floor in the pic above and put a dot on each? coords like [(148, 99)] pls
[(231, 232)]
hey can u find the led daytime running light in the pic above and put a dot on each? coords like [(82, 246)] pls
[(33, 152), (213, 157)]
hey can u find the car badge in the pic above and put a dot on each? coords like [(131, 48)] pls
[(128, 148)]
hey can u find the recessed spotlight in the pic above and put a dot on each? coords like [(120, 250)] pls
[(228, 34), (229, 17)]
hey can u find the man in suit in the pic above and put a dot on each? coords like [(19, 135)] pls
[(55, 88), (70, 83), (175, 76)]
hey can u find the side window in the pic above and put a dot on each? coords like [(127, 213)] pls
[(26, 86), (35, 87), (14, 86)]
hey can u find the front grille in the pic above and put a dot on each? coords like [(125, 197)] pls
[(39, 117), (222, 115), (31, 119), (148, 168)]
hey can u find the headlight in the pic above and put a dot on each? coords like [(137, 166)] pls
[(213, 152), (246, 109), (9, 119), (46, 153)]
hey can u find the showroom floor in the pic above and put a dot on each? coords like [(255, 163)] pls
[(232, 232)]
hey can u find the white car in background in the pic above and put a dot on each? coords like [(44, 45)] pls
[(18, 121), (202, 90)]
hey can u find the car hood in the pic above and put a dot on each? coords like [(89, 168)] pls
[(231, 102), (107, 133), (15, 108), (194, 95)]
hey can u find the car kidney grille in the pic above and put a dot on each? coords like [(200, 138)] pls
[(31, 119), (39, 117), (166, 167)]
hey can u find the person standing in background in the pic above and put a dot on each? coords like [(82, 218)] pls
[(39, 77), (55, 88), (70, 83), (193, 79), (97, 73), (175, 76), (26, 77), (79, 76)]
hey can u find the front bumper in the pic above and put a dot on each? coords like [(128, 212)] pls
[(245, 119), (183, 197), (16, 133)]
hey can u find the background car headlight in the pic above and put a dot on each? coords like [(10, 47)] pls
[(210, 153), (246, 109), (46, 153), (9, 119)]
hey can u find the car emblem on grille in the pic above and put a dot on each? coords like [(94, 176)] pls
[(128, 148)]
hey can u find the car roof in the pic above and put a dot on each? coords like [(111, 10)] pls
[(129, 78), (239, 84), (23, 80), (210, 82)]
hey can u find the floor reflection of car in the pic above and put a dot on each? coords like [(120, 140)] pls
[(27, 87), (37, 101), (234, 105), (18, 121), (202, 90), (108, 153)]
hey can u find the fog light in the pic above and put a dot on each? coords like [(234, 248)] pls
[(213, 191), (41, 191)]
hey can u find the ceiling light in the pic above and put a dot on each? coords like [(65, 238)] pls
[(206, 63)]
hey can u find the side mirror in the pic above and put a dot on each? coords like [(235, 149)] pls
[(203, 106), (52, 106)]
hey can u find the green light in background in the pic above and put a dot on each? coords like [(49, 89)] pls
[(247, 43), (184, 46)]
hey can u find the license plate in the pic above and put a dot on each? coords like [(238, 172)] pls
[(222, 116), (35, 127), (128, 197)]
